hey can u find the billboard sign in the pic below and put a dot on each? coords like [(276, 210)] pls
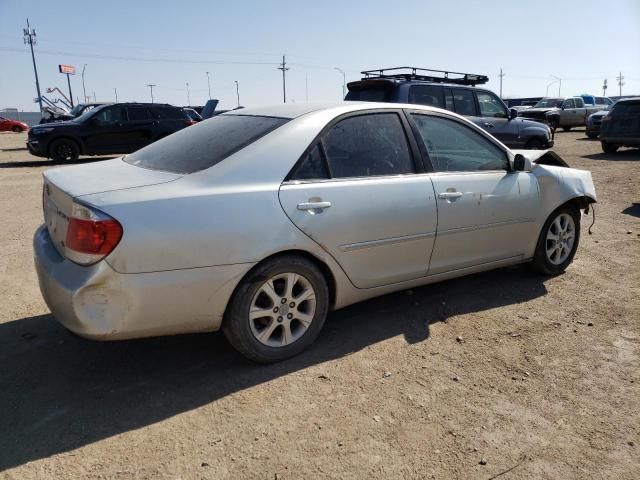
[(68, 69)]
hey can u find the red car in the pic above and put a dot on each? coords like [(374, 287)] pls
[(7, 125)]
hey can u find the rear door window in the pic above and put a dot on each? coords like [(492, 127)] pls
[(426, 95), (368, 145), (312, 167), (464, 102), (204, 145)]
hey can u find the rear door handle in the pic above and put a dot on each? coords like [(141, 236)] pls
[(448, 195), (314, 205)]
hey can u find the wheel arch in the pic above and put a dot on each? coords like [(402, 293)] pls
[(322, 266), (79, 144)]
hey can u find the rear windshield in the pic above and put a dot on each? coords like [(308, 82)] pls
[(369, 94), (203, 145)]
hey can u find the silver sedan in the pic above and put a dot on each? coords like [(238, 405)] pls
[(260, 221)]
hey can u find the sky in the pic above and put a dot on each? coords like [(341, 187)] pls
[(129, 44)]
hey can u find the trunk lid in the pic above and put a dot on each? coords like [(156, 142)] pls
[(63, 185)]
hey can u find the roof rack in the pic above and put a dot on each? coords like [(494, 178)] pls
[(415, 73)]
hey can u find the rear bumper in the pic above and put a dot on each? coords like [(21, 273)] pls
[(99, 303)]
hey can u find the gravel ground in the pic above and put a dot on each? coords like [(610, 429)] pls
[(503, 372)]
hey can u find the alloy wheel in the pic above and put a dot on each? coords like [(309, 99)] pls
[(282, 309), (560, 238)]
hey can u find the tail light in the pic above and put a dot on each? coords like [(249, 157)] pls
[(190, 122), (91, 235)]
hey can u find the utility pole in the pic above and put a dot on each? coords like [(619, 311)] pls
[(237, 92), (501, 75), (188, 96), (604, 88), (306, 88), (209, 85), (344, 81), (151, 85), (29, 35), (84, 91), (559, 84), (620, 82), (94, 97), (284, 68), (115, 90)]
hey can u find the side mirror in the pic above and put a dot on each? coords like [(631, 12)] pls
[(521, 163), (513, 113)]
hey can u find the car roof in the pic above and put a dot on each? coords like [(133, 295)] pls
[(629, 100), (294, 110)]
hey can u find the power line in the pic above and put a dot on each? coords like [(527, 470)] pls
[(142, 59)]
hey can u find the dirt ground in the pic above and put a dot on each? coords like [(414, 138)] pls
[(543, 383)]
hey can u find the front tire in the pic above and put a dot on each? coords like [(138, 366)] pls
[(558, 241), (16, 129), (608, 147), (566, 129), (64, 150), (278, 310)]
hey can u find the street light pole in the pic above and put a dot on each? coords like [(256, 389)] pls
[(188, 96), (84, 90), (116, 92), (30, 38), (209, 85), (344, 81), (150, 85), (237, 92)]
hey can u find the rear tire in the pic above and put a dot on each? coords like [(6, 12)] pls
[(558, 241), (566, 129), (278, 310), (64, 150), (17, 129), (609, 148)]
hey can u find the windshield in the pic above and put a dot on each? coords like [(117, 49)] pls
[(203, 145), (549, 103)]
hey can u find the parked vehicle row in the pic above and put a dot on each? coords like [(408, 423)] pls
[(106, 129), (260, 221), (563, 112), (456, 92)]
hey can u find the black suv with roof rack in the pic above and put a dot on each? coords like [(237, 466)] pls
[(452, 91), (106, 129)]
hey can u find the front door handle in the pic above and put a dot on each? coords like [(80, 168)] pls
[(488, 125), (314, 205), (450, 195)]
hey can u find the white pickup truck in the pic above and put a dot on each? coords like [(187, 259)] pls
[(562, 112)]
